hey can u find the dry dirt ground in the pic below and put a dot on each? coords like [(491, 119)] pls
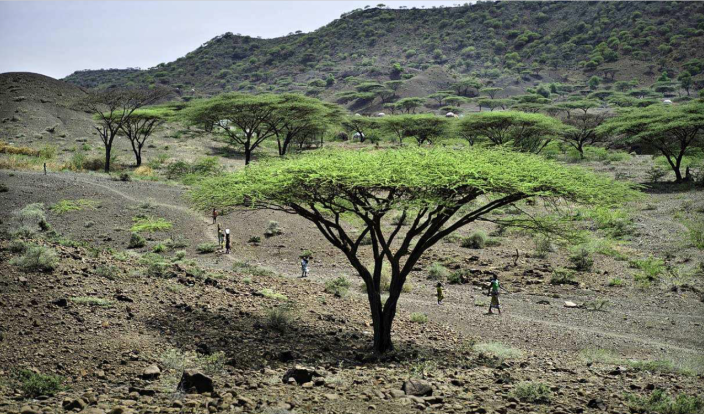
[(102, 350)]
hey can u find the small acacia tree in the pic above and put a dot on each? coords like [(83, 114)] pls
[(583, 131), (671, 130), (112, 108), (429, 187), (360, 125), (523, 131), (140, 126)]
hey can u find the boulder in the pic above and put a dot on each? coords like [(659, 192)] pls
[(300, 375), (569, 304), (417, 387), (193, 381), (152, 372)]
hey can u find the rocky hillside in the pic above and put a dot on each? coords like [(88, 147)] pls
[(504, 43), (35, 108)]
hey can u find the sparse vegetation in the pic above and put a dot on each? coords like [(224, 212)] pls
[(204, 248), (149, 224), (581, 259), (280, 318), (659, 402), (34, 384), (532, 392), (252, 270), (65, 206), (476, 240), (338, 286), (273, 229), (136, 241), (436, 271), (417, 317), (498, 350), (270, 294), (37, 259)]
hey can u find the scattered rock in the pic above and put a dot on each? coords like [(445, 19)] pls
[(62, 302), (569, 304), (193, 381), (300, 375), (152, 372), (69, 404), (417, 387), (596, 403)]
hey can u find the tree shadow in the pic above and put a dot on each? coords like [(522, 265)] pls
[(248, 341), (670, 187)]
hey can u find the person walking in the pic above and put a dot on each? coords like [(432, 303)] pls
[(304, 266), (215, 216), (440, 293), (227, 241), (494, 288), (221, 237)]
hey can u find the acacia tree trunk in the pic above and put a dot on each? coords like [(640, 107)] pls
[(108, 150)]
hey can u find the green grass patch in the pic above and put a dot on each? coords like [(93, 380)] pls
[(66, 206), (684, 365), (149, 224), (418, 317), (91, 301), (269, 293), (650, 270), (204, 248)]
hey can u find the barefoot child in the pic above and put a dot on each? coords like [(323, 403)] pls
[(441, 294), (304, 266)]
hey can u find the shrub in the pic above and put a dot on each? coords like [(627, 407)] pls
[(35, 384), (338, 287), (476, 240), (581, 259), (36, 258), (125, 177), (455, 278), (562, 276), (176, 243), (159, 248), (532, 392), (272, 229), (17, 246), (660, 402), (695, 232), (280, 318), (255, 239), (543, 246), (616, 282), (650, 269), (498, 350), (136, 241), (30, 219), (438, 272), (3, 188), (107, 271), (204, 248), (418, 317), (180, 255), (596, 305), (149, 224), (269, 293)]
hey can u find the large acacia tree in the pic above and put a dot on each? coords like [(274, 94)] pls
[(671, 130), (429, 187), (243, 118)]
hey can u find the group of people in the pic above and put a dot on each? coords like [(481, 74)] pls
[(493, 291)]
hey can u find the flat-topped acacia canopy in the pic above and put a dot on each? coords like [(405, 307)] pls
[(428, 187)]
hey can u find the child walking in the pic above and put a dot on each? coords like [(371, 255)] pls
[(494, 288), (304, 266), (227, 241), (440, 293)]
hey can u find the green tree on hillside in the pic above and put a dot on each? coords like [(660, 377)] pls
[(523, 131), (436, 192), (465, 86), (243, 118), (583, 131), (140, 125), (112, 109), (671, 130), (361, 125), (410, 104)]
